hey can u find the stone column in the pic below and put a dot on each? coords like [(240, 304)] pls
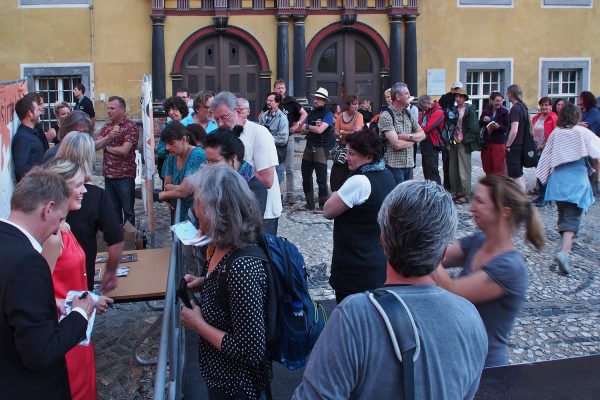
[(299, 58), (158, 56), (395, 49), (410, 56), (283, 63)]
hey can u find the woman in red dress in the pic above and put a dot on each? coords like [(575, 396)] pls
[(66, 259)]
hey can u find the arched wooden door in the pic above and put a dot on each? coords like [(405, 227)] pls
[(347, 63), (220, 63)]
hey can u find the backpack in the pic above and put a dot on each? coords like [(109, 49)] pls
[(294, 320), (529, 157), (450, 121)]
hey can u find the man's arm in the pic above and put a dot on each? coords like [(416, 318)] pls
[(297, 126), (109, 279), (395, 142), (318, 129), (39, 340), (266, 176), (120, 151), (20, 154)]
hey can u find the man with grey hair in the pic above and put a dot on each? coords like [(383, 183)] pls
[(260, 151), (401, 131), (354, 356)]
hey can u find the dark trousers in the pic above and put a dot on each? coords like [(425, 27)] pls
[(339, 296), (122, 193), (430, 161), (270, 226), (400, 174), (314, 159), (446, 168)]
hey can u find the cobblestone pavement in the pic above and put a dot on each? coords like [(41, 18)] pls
[(559, 319)]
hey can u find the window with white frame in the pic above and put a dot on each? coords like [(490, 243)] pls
[(483, 76), (479, 85), (567, 3), (564, 78), (564, 83), (54, 89), (486, 3), (54, 3)]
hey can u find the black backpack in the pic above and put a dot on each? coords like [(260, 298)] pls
[(529, 157), (294, 320), (450, 121)]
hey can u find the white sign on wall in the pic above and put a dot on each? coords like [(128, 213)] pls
[(436, 82)]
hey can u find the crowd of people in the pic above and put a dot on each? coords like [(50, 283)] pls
[(233, 176)]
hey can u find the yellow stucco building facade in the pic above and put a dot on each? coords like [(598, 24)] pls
[(347, 46)]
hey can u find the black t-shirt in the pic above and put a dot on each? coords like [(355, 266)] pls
[(367, 115), (290, 107), (518, 113), (97, 213), (85, 104)]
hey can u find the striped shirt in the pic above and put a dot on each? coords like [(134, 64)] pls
[(566, 145)]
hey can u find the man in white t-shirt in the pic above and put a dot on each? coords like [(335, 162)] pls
[(259, 151)]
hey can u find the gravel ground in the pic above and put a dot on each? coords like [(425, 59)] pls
[(559, 319)]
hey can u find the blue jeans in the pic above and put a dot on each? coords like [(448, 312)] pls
[(121, 191), (400, 174)]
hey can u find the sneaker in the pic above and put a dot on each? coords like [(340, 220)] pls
[(563, 262)]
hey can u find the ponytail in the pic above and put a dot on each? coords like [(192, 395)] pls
[(534, 227)]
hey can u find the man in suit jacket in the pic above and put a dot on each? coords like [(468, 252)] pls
[(32, 341)]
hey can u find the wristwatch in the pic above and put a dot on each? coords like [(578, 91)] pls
[(410, 137)]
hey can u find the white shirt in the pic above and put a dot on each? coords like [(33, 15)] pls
[(355, 191), (261, 153)]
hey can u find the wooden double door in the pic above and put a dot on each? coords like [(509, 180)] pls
[(220, 63), (347, 63)]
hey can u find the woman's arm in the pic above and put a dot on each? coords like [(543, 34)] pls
[(477, 287), (52, 249), (334, 206), (454, 256), (181, 191)]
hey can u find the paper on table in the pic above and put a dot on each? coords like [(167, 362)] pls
[(68, 306), (189, 235)]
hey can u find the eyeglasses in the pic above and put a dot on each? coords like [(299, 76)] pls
[(223, 119)]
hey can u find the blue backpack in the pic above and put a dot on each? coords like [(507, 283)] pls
[(294, 320)]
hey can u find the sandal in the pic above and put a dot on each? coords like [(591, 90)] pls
[(318, 210)]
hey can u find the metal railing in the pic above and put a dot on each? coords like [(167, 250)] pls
[(171, 353)]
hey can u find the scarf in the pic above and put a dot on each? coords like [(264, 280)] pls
[(566, 145), (378, 165), (246, 171)]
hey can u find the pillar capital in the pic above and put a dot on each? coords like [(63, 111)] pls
[(410, 19), (282, 18), (299, 19), (395, 18), (158, 19)]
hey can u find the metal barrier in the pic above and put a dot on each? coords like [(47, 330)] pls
[(172, 337)]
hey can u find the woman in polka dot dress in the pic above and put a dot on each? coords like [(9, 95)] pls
[(230, 319)]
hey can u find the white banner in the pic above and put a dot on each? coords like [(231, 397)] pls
[(148, 149), (10, 93)]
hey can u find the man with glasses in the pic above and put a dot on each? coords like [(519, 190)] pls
[(260, 151), (202, 114)]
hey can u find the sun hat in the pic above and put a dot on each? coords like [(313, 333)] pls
[(462, 91), (322, 93)]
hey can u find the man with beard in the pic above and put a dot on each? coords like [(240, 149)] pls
[(27, 148)]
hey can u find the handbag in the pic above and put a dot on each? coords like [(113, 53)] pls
[(338, 153)]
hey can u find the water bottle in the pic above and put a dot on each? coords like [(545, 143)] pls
[(298, 313)]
